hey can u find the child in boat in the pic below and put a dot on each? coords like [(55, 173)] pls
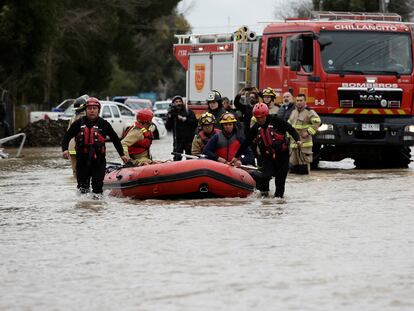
[(138, 139)]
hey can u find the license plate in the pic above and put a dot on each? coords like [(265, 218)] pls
[(370, 127)]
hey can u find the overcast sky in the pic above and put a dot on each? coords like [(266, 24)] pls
[(220, 16)]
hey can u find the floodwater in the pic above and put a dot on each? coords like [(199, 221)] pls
[(342, 240)]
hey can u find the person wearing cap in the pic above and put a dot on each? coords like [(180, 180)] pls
[(79, 107), (138, 139), (207, 130), (90, 133), (223, 146), (215, 105), (182, 122), (270, 133)]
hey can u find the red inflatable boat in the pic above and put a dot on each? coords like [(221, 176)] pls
[(182, 179)]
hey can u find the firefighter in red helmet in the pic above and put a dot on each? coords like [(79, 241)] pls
[(270, 134), (90, 133), (138, 139)]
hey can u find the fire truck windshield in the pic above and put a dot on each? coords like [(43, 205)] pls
[(351, 52)]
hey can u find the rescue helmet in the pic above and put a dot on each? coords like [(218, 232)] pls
[(214, 96), (145, 115), (228, 118), (177, 97), (79, 103), (269, 92), (207, 118), (260, 110), (93, 101)]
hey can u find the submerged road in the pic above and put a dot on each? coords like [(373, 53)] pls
[(342, 240)]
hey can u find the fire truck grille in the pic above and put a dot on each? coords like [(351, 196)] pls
[(369, 98)]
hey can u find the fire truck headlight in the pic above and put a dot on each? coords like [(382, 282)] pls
[(409, 129), (325, 127)]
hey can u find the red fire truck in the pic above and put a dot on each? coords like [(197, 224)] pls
[(355, 68)]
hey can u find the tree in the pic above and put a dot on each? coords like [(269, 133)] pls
[(57, 49)]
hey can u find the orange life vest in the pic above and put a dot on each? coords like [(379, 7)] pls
[(271, 142), (204, 138), (227, 146), (90, 140)]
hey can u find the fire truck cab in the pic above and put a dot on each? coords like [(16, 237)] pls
[(356, 70)]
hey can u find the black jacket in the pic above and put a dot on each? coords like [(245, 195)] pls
[(102, 124), (281, 126), (183, 131)]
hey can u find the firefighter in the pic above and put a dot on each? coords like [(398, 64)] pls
[(269, 97), (207, 130), (287, 106), (79, 106), (182, 121), (138, 139), (223, 146), (215, 105), (306, 122), (270, 133), (90, 133)]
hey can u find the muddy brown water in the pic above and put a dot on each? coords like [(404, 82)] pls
[(342, 240)]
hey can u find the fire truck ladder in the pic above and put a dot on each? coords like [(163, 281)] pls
[(244, 64), (362, 16)]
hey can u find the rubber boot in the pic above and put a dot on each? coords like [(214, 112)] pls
[(264, 194)]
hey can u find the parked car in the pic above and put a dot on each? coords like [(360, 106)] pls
[(138, 103), (120, 117), (54, 114), (161, 109)]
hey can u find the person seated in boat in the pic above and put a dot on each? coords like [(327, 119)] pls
[(207, 130), (182, 122), (222, 147), (270, 133), (138, 139)]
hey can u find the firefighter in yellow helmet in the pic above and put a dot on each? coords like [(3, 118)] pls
[(269, 98), (306, 122), (207, 130), (222, 147)]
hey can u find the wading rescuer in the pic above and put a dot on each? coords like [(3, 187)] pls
[(138, 139), (206, 123), (270, 132), (79, 106), (90, 133)]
